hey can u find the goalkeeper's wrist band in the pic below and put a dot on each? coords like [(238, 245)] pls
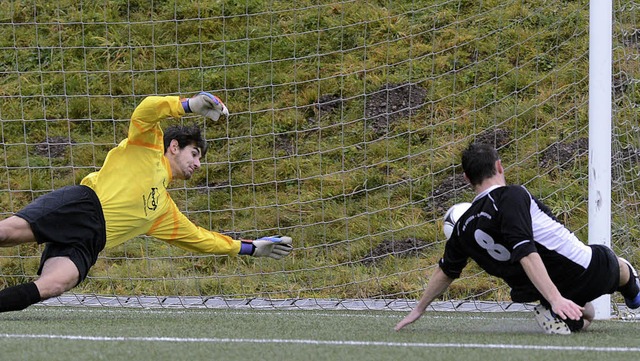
[(185, 105), (247, 248)]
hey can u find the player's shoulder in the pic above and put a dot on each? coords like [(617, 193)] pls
[(513, 189), (518, 189), (514, 193)]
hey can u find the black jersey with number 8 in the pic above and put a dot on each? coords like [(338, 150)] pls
[(505, 224)]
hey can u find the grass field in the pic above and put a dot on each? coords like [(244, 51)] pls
[(88, 333)]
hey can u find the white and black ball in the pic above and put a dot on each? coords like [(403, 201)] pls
[(452, 216)]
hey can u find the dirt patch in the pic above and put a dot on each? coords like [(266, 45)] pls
[(381, 107), (53, 147), (284, 143), (563, 154), (328, 103), (497, 137), (397, 248), (392, 102)]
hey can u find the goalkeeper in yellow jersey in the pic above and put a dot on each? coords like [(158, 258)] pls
[(126, 198)]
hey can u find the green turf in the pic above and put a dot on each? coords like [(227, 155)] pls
[(58, 333)]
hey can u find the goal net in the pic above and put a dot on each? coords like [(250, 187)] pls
[(348, 118)]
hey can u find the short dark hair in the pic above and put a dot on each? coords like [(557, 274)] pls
[(185, 135), (478, 162)]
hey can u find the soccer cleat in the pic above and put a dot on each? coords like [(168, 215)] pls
[(550, 322)]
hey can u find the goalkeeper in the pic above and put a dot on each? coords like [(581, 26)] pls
[(126, 198), (512, 235)]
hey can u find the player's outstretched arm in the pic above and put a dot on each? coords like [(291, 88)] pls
[(438, 283), (205, 104), (276, 247)]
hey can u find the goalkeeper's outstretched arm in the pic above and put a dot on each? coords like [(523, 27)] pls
[(438, 283)]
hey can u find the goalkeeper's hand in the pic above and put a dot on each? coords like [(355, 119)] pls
[(275, 247), (205, 104)]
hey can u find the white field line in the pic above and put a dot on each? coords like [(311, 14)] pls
[(323, 343)]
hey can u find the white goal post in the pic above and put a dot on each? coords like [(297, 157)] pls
[(600, 71)]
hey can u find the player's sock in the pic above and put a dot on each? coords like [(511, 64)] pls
[(19, 297), (631, 290)]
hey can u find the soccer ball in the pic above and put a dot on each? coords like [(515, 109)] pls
[(452, 216)]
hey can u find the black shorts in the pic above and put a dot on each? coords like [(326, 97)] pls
[(71, 224), (600, 278)]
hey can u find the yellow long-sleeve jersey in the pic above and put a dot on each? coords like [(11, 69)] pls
[(132, 187)]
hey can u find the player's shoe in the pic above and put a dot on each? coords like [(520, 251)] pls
[(550, 322), (633, 303)]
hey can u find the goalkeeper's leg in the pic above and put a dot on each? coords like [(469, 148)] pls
[(14, 231), (59, 274)]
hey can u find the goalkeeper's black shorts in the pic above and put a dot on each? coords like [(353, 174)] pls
[(70, 222)]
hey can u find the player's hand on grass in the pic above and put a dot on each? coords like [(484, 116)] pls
[(413, 316), (205, 104), (275, 247)]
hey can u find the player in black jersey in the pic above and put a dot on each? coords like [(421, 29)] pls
[(512, 235)]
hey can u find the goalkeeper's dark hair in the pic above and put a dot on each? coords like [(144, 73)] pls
[(478, 162), (185, 135)]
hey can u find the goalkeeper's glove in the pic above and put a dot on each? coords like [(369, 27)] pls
[(275, 247), (205, 104)]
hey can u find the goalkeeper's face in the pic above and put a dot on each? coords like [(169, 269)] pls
[(184, 162)]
